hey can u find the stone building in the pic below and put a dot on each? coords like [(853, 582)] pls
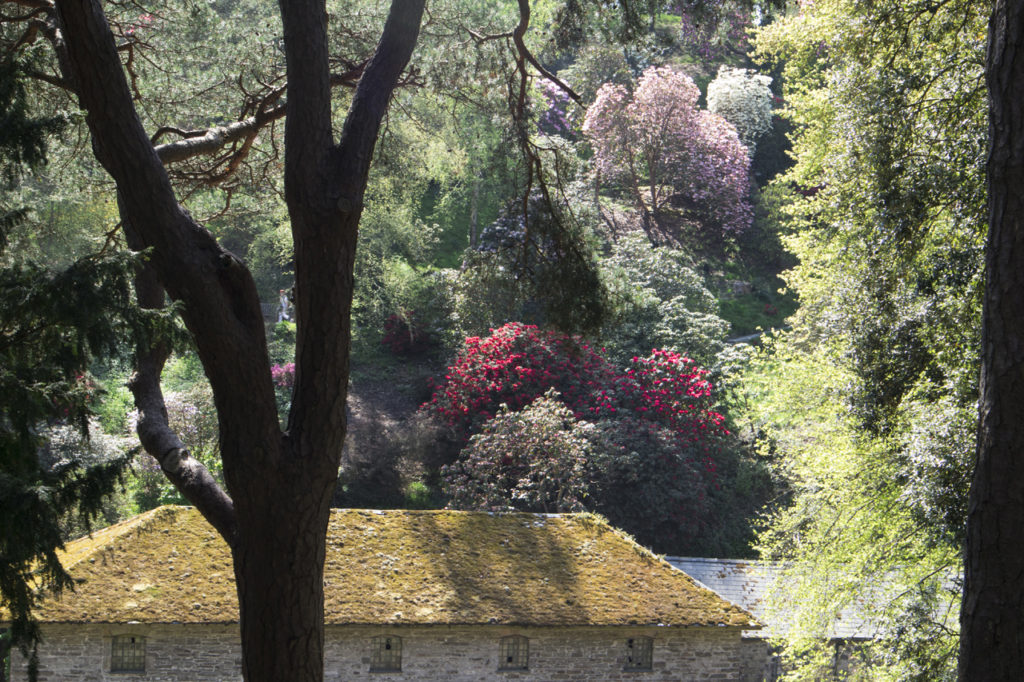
[(409, 595), (749, 583)]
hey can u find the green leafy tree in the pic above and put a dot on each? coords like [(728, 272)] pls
[(859, 535), (661, 302), (889, 220)]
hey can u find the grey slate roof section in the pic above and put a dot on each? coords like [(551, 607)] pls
[(747, 583)]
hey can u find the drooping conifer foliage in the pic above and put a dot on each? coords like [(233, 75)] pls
[(54, 326)]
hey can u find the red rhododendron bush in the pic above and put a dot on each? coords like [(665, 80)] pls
[(550, 425)]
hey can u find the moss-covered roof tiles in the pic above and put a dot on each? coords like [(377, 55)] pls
[(397, 567)]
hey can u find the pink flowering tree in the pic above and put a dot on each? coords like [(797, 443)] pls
[(665, 152)]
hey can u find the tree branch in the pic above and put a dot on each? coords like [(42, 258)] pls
[(221, 305), (325, 200), (197, 143), (379, 80), (188, 474), (524, 52)]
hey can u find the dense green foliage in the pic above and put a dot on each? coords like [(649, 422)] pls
[(869, 405), (662, 303)]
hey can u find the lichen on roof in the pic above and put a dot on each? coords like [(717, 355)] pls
[(397, 567)]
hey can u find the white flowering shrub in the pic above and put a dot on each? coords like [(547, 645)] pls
[(744, 99)]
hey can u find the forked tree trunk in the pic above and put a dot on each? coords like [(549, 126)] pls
[(280, 484), (992, 616)]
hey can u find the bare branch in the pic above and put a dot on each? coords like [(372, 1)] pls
[(480, 38), (186, 472), (32, 4), (197, 143), (8, 19), (55, 81)]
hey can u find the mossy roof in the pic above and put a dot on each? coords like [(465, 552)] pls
[(397, 568)]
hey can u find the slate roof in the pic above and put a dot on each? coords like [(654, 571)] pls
[(397, 567), (748, 584)]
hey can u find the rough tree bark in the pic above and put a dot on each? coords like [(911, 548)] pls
[(274, 514), (992, 616)]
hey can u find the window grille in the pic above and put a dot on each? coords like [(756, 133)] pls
[(514, 653), (387, 654), (128, 654), (639, 653)]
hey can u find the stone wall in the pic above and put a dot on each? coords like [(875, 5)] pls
[(460, 654), (174, 653)]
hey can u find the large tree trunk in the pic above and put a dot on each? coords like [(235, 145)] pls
[(280, 484), (992, 617), (279, 560)]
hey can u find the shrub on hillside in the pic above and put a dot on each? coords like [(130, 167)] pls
[(513, 366), (518, 363), (648, 478), (534, 460), (662, 303)]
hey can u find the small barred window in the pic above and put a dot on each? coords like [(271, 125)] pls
[(514, 653), (387, 654), (639, 653), (128, 654)]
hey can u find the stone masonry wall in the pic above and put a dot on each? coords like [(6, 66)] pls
[(174, 653), (182, 653)]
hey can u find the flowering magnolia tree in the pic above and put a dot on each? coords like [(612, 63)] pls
[(744, 99), (665, 151), (639, 445)]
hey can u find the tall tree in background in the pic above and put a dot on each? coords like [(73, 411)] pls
[(870, 402), (992, 616)]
